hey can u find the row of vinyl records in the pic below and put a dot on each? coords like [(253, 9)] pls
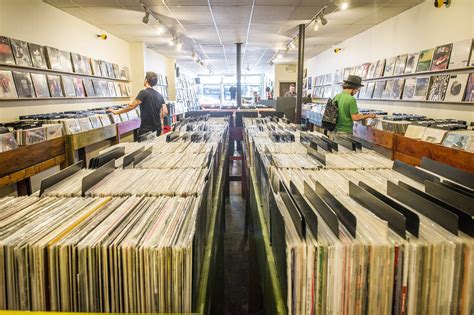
[(137, 253), (350, 236)]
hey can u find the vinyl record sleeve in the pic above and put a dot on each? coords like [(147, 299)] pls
[(424, 61), (105, 88), (111, 89), (387, 90), (6, 53), (21, 53), (371, 71), (438, 86), (78, 64), (469, 94), (103, 68), (397, 89), (110, 70), (88, 87), (7, 85), (53, 58), (98, 88), (389, 66), (379, 88), (55, 85), (68, 86), (87, 64), (23, 83), (369, 91), (95, 65), (116, 68), (409, 89), (65, 59), (458, 139), (441, 57), (456, 87), (40, 84), (365, 69), (79, 87), (421, 88), (412, 61), (37, 56), (415, 131), (433, 135), (379, 70), (400, 64), (460, 54), (85, 124)]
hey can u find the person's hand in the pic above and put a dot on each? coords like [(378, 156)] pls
[(373, 116), (111, 110)]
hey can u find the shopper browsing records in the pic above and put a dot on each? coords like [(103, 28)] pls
[(233, 92), (348, 111), (255, 97), (152, 106), (269, 93), (292, 91)]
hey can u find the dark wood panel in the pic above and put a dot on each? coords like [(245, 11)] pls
[(383, 138), (26, 156), (128, 126), (406, 158), (83, 139)]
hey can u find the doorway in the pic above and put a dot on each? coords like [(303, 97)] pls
[(285, 87)]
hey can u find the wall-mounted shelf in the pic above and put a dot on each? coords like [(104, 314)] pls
[(422, 74), (50, 71), (400, 100), (64, 98)]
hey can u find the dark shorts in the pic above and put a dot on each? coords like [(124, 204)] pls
[(142, 131)]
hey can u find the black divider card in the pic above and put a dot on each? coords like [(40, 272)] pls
[(412, 172), (307, 210), (278, 240), (328, 215), (455, 174), (59, 176), (90, 180), (295, 214)]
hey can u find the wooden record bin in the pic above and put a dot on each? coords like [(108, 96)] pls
[(126, 127), (385, 139), (17, 166)]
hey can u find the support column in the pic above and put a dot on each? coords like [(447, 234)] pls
[(238, 47), (299, 83)]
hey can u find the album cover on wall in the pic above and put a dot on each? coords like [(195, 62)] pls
[(438, 86), (379, 70), (424, 61), (40, 84), (111, 88), (79, 87), (125, 73), (105, 88), (95, 66), (97, 88), (456, 87), (365, 69), (54, 61), (378, 90), (7, 86), (387, 89), (469, 94), (370, 90), (358, 71), (65, 58), (103, 68), (118, 92), (87, 64), (347, 72), (441, 57), (397, 89), (123, 90), (412, 61), (389, 66), (460, 54), (88, 87), (24, 86), (21, 52), (409, 89), (471, 59), (37, 56), (116, 68), (361, 92), (421, 89), (400, 64), (78, 63), (371, 72), (110, 70), (6, 53), (54, 84), (68, 86)]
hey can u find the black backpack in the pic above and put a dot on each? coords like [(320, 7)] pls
[(331, 112)]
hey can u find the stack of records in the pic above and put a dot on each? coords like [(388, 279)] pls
[(462, 139)]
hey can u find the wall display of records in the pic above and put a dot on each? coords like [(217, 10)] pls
[(49, 64)]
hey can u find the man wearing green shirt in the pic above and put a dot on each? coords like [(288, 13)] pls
[(348, 111)]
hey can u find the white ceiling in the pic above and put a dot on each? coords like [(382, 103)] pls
[(264, 26)]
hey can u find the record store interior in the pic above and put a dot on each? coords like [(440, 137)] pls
[(237, 157)]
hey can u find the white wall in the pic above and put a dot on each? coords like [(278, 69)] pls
[(40, 23), (420, 27)]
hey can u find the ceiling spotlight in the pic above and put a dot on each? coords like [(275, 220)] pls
[(279, 56), (160, 29), (201, 63), (179, 45), (194, 56), (292, 44), (146, 18), (171, 42), (323, 20), (344, 5), (316, 26)]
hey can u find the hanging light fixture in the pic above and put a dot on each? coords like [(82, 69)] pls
[(323, 20), (279, 56), (344, 5), (179, 45), (292, 44), (146, 18), (316, 26), (171, 42)]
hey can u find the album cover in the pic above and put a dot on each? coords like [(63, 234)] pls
[(387, 89), (424, 61), (110, 70), (54, 61), (458, 139), (421, 88), (116, 70), (126, 73), (471, 60), (365, 70), (111, 89), (6, 53), (54, 84), (379, 70), (87, 64), (95, 65), (438, 86), (378, 90), (24, 86), (79, 87), (412, 61), (460, 54), (347, 72), (358, 71), (103, 68), (123, 90), (97, 88), (128, 89), (38, 57), (400, 64), (469, 94), (95, 121), (40, 84), (7, 86), (433, 135), (65, 58), (118, 92), (85, 124), (389, 66), (78, 63), (361, 92), (88, 87), (441, 57), (370, 90), (397, 89), (409, 89), (371, 72), (21, 52), (456, 87), (353, 70), (105, 88), (68, 86)]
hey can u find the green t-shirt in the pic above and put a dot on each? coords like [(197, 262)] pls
[(347, 107)]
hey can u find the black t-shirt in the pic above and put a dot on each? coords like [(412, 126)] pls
[(150, 108)]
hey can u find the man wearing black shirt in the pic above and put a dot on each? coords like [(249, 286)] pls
[(152, 106)]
